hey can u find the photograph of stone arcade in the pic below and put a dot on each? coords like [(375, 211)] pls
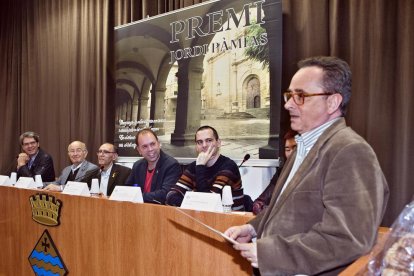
[(205, 65)]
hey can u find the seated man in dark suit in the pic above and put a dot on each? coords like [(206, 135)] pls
[(156, 172), (111, 174), (33, 160), (81, 170)]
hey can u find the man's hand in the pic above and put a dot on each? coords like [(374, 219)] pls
[(248, 251), (242, 233), (22, 159), (53, 187), (204, 157)]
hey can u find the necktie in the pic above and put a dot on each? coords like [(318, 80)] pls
[(30, 163), (75, 172)]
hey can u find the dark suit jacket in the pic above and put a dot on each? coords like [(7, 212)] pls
[(329, 213), (167, 173), (118, 177), (43, 165)]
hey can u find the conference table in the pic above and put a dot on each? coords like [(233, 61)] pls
[(97, 236)]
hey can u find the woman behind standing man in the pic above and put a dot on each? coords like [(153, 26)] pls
[(263, 200)]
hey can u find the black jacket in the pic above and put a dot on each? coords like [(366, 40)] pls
[(167, 172), (43, 165)]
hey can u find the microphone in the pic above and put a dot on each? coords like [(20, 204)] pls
[(245, 158)]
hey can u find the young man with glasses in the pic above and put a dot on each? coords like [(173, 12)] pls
[(111, 174), (33, 160), (81, 170), (331, 194)]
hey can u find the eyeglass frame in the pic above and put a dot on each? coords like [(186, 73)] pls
[(28, 144), (290, 94), (104, 152)]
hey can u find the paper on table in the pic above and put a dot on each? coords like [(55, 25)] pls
[(209, 227)]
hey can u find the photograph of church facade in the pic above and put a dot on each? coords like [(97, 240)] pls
[(234, 89)]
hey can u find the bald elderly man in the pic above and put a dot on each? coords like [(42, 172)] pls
[(81, 170)]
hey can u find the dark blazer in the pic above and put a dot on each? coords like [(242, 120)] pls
[(330, 211), (86, 172), (167, 173), (43, 165), (118, 177)]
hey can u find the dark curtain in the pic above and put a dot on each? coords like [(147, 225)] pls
[(56, 79), (10, 81), (55, 75), (127, 11)]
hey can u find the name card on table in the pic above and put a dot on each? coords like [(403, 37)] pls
[(4, 180), (127, 193), (25, 182), (76, 188), (210, 202)]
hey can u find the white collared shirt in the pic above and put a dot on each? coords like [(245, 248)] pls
[(74, 168), (104, 180)]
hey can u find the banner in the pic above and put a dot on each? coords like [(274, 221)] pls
[(217, 63)]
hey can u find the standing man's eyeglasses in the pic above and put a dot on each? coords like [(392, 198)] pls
[(299, 97)]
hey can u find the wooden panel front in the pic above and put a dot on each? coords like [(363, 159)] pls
[(102, 237)]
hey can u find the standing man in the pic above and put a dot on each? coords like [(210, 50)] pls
[(156, 172), (111, 174), (33, 160), (210, 172), (81, 170), (331, 194)]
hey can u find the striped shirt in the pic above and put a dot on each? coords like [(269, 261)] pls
[(200, 178), (304, 143)]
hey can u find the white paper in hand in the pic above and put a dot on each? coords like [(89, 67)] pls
[(221, 234)]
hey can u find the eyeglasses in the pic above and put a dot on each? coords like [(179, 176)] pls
[(104, 152), (29, 144), (299, 97)]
